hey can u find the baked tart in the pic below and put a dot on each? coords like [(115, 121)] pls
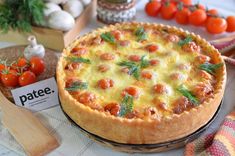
[(140, 83)]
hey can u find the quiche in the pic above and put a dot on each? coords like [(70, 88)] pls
[(140, 83)]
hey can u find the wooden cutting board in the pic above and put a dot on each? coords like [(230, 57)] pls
[(12, 53), (28, 131)]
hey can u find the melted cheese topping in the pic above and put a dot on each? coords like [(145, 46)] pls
[(176, 67)]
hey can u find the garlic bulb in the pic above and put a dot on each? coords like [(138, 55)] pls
[(56, 1), (86, 2), (33, 49), (60, 20), (50, 7), (74, 7)]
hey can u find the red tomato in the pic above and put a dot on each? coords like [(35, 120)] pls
[(107, 56), (27, 78), (103, 67), (200, 6), (187, 2), (182, 16), (135, 58), (152, 48), (117, 34), (2, 67), (79, 51), (131, 91), (105, 83), (73, 66), (113, 108), (70, 81), (197, 17), (168, 10), (124, 43), (231, 23), (86, 98), (212, 12), (14, 66), (22, 62), (154, 62), (216, 25), (147, 75), (152, 8), (37, 65), (10, 78), (160, 88), (202, 59)]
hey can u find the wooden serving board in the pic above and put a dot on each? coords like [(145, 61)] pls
[(148, 148), (51, 38), (12, 53)]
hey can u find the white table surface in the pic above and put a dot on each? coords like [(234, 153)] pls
[(226, 7)]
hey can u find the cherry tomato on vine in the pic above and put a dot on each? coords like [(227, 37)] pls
[(152, 8), (14, 66), (200, 6), (197, 17), (2, 67), (37, 65), (9, 78), (168, 10), (216, 25), (187, 2), (212, 12), (22, 62), (27, 78), (182, 16), (231, 23)]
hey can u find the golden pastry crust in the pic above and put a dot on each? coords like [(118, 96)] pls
[(136, 130)]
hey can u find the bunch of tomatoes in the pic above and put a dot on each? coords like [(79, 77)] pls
[(185, 12), (21, 72)]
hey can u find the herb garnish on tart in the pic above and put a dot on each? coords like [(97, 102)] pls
[(77, 85), (126, 105), (108, 37), (140, 34), (188, 94), (185, 41), (210, 68), (78, 59), (134, 68)]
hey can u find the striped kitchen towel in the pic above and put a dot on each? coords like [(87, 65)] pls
[(221, 143)]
